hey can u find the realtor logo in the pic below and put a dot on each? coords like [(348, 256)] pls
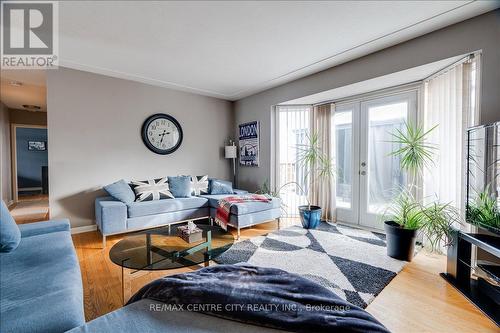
[(29, 34)]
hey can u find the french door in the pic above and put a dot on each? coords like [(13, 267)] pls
[(368, 178)]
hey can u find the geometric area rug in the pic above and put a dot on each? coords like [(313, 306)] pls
[(350, 262)]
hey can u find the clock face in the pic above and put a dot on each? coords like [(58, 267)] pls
[(162, 134)]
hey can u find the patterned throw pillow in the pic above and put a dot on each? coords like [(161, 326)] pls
[(199, 184), (152, 189)]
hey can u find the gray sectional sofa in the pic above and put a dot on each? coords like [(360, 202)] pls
[(115, 217)]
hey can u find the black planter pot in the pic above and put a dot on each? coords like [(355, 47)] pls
[(400, 242)]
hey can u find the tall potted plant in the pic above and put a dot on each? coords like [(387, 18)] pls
[(406, 215), (318, 168)]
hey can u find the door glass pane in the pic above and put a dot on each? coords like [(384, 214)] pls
[(342, 123), (385, 177), (293, 130)]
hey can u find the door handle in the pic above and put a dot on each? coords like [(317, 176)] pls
[(363, 164), (362, 173)]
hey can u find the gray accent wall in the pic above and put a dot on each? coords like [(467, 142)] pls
[(94, 124), (5, 162), (479, 33), (30, 162)]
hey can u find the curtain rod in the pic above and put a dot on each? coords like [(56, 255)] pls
[(468, 57), (399, 88)]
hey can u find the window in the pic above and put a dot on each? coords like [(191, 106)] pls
[(292, 129)]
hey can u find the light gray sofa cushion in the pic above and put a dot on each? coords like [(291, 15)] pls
[(144, 208), (148, 221)]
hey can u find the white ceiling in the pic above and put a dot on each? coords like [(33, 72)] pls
[(382, 82), (234, 49), (33, 90)]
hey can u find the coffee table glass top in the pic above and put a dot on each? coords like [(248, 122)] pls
[(161, 248)]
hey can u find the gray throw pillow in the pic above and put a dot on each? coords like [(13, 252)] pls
[(180, 186), (218, 186), (121, 190)]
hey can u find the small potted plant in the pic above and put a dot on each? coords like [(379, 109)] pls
[(404, 217), (439, 224)]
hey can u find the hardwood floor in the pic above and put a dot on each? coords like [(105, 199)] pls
[(417, 300), (31, 209)]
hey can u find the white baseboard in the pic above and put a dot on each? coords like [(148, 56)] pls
[(85, 228)]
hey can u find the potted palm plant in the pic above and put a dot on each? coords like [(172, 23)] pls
[(318, 169), (405, 216)]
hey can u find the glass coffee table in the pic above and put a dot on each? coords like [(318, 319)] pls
[(161, 249)]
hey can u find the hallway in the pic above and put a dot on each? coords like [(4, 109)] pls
[(31, 209)]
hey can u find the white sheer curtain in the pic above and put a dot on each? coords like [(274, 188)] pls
[(322, 190), (450, 102)]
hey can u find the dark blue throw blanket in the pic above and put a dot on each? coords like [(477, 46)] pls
[(261, 296)]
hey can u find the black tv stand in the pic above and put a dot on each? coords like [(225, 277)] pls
[(478, 291)]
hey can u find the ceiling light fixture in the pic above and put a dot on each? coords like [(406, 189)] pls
[(31, 107), (15, 83)]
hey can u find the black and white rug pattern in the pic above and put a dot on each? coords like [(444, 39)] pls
[(351, 262)]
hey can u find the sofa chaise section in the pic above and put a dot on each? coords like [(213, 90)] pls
[(40, 281), (247, 214)]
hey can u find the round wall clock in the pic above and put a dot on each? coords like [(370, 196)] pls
[(161, 133)]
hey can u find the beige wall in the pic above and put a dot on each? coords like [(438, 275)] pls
[(94, 126), (479, 33), (5, 163), (27, 117)]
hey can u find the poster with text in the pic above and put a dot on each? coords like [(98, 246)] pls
[(249, 144)]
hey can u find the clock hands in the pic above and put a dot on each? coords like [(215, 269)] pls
[(163, 134)]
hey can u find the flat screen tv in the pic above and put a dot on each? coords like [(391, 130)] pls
[(483, 177)]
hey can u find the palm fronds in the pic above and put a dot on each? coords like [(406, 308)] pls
[(438, 223), (405, 211), (484, 211), (414, 152), (319, 167)]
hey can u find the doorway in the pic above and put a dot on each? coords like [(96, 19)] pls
[(368, 178), (29, 172)]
